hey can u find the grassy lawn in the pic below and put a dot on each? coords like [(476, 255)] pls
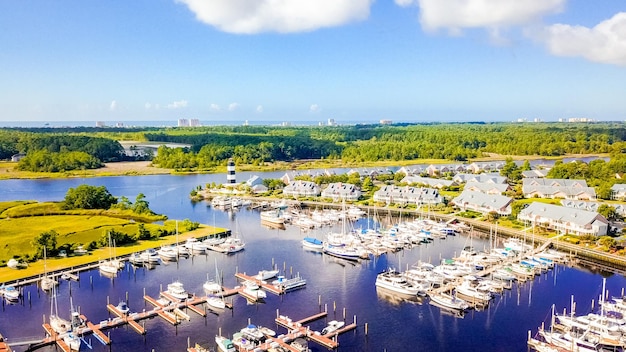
[(21, 222), (37, 268)]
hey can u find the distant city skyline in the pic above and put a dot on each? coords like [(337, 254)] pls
[(312, 60)]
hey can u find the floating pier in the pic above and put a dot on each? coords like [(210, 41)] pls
[(263, 284), (297, 329)]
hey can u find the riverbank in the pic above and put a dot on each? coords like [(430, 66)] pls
[(35, 269), (139, 168)]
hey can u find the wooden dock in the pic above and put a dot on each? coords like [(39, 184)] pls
[(54, 337), (267, 287), (297, 329), (95, 329)]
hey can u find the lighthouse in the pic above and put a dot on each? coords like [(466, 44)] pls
[(230, 172)]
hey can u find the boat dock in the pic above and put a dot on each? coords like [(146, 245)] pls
[(263, 284), (296, 329), (54, 337)]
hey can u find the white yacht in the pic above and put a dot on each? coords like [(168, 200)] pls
[(273, 216), (252, 289), (168, 253), (266, 274), (195, 246), (224, 344), (177, 290), (394, 281), (150, 256), (449, 301), (332, 326)]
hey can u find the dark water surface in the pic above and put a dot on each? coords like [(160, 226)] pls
[(393, 324)]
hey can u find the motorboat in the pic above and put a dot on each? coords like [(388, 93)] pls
[(12, 263), (253, 290), (313, 243), (243, 342), (135, 259), (332, 326), (252, 332), (341, 251), (300, 344), (224, 344), (72, 340), (469, 289), (289, 284), (195, 246), (267, 331), (80, 251), (169, 253), (266, 274), (48, 282), (215, 302), (10, 293), (449, 301), (150, 256), (211, 286), (122, 307), (272, 216), (177, 290), (394, 281)]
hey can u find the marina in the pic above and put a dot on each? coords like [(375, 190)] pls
[(342, 283)]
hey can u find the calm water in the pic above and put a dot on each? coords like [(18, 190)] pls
[(394, 324)]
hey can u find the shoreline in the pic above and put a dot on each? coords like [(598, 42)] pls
[(145, 168)]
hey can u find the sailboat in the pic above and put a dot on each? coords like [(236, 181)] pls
[(213, 286), (109, 268), (58, 324), (47, 282)]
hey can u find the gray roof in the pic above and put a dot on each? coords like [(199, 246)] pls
[(495, 201), (554, 182), (562, 214), (483, 178), (535, 173), (432, 182), (487, 187)]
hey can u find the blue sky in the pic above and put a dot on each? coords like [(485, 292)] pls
[(311, 60)]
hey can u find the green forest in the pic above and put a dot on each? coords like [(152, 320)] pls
[(51, 149)]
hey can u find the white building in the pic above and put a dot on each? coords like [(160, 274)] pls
[(483, 203), (342, 191), (565, 220), (302, 189), (391, 194)]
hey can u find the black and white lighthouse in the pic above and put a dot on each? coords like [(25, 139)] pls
[(230, 172)]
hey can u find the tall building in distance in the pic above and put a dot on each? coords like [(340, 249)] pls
[(188, 123), (230, 172)]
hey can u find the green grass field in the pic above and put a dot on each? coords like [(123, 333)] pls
[(21, 222)]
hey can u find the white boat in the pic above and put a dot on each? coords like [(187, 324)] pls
[(253, 290), (224, 344), (449, 301), (10, 293), (72, 340), (469, 289), (177, 290), (252, 332), (122, 307), (150, 256), (80, 251), (272, 216), (47, 282), (195, 246), (58, 324), (300, 344), (313, 243), (108, 268), (135, 259), (215, 302), (267, 331), (211, 286), (332, 326), (394, 281), (168, 253), (289, 284), (12, 263), (266, 274), (342, 251)]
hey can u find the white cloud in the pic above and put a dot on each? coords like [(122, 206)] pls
[(455, 15), (233, 106), (282, 16), (604, 43), (177, 104), (314, 108), (215, 107), (147, 106), (113, 105), (259, 109)]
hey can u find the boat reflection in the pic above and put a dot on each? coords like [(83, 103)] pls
[(272, 225), (397, 298), (456, 313)]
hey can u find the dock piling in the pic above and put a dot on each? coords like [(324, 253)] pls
[(344, 313), (366, 326)]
